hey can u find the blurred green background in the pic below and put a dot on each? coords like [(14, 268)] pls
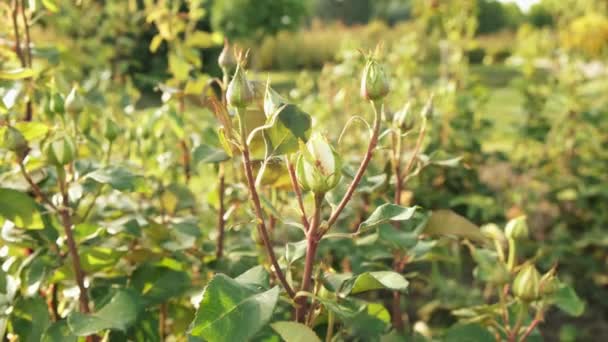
[(521, 95)]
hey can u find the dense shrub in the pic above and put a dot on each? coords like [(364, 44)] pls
[(256, 18)]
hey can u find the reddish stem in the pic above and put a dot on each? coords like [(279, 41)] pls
[(220, 214), (297, 190), (255, 199), (362, 168), (66, 219), (312, 242)]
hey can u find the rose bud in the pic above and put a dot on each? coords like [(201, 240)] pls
[(526, 284), (318, 167), (226, 60), (74, 102), (548, 283), (374, 81), (15, 141), (61, 151), (272, 101), (239, 93), (111, 130), (517, 228)]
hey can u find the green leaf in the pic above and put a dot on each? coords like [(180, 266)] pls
[(388, 212), (397, 238), (34, 275), (20, 208), (447, 222), (370, 281), (295, 251), (59, 332), (50, 5), (289, 126), (295, 332), (230, 311), (97, 258), (118, 177), (159, 284), (367, 321), (16, 74), (32, 130), (256, 276), (30, 318), (208, 154), (468, 333), (568, 301), (119, 314)]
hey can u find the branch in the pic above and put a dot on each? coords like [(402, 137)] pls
[(220, 213), (255, 199), (66, 220), (362, 168), (35, 186), (297, 190), (410, 162), (537, 319), (17, 35), (312, 242)]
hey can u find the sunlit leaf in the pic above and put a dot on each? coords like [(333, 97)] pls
[(230, 311), (16, 74), (120, 313), (20, 208), (388, 212), (295, 332)]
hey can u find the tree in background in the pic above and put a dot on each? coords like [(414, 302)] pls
[(348, 12), (540, 16), (256, 18), (491, 16)]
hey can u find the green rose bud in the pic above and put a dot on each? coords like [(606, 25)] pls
[(272, 101), (318, 166), (74, 102), (517, 228), (374, 82), (111, 130), (56, 103), (428, 109), (61, 151), (15, 141), (526, 284), (226, 60), (85, 123), (239, 93), (403, 119), (493, 232), (548, 283)]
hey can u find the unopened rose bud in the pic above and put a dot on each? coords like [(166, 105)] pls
[(61, 151), (239, 93), (428, 109), (15, 141), (74, 102), (56, 103), (548, 283), (493, 232), (272, 101), (517, 228), (526, 284), (226, 60), (318, 167), (374, 81), (403, 119), (111, 130)]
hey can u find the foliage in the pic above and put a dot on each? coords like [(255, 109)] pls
[(234, 17), (223, 209)]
